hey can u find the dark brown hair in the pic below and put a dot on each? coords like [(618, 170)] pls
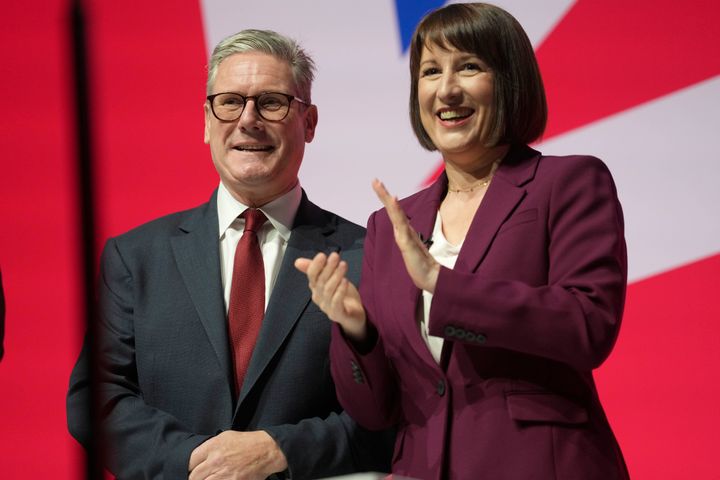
[(519, 110)]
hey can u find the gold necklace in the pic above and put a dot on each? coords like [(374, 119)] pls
[(481, 184)]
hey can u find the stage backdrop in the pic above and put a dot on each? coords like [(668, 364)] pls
[(636, 83)]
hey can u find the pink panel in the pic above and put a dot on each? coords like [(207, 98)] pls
[(604, 57), (38, 243), (152, 161), (660, 386), (149, 83)]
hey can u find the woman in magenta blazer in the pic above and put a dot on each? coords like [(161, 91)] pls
[(488, 298)]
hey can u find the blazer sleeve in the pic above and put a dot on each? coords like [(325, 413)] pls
[(161, 445), (575, 316), (366, 383)]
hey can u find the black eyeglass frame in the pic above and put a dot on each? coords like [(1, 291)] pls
[(255, 98)]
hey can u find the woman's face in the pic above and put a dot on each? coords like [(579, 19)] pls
[(455, 94)]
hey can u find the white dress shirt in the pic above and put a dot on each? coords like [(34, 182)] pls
[(446, 255), (273, 235)]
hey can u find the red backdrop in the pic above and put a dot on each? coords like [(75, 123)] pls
[(658, 386)]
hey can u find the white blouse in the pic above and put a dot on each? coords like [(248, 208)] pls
[(446, 255)]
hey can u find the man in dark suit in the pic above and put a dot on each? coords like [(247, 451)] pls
[(178, 397)]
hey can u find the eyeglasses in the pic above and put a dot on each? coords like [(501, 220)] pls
[(272, 106)]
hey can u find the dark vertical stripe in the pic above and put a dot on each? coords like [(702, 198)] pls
[(86, 224)]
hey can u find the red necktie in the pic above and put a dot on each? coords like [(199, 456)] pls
[(247, 295)]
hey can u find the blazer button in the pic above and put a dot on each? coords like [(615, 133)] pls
[(449, 331), (358, 377), (480, 338), (440, 387)]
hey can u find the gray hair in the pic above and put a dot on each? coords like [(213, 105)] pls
[(271, 43)]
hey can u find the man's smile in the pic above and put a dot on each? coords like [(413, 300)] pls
[(253, 148)]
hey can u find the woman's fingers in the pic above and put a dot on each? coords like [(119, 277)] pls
[(303, 264), (329, 268), (405, 235), (316, 266), (421, 266), (397, 216), (333, 279), (324, 274), (333, 293)]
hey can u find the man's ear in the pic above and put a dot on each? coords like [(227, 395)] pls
[(206, 135), (311, 119)]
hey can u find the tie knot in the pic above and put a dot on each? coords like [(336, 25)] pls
[(254, 219)]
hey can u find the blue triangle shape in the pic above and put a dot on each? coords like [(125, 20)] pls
[(409, 13)]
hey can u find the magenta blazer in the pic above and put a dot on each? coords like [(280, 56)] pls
[(532, 306)]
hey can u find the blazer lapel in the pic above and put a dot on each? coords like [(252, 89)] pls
[(421, 212), (291, 294), (196, 250), (505, 192)]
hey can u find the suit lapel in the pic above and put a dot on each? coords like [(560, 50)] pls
[(501, 199), (290, 295), (196, 250), (504, 194), (422, 212)]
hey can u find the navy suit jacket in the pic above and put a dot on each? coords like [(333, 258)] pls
[(166, 373), (533, 304)]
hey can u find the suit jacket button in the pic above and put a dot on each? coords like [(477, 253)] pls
[(449, 331), (480, 338), (440, 387)]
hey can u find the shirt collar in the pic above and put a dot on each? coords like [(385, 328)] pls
[(280, 212)]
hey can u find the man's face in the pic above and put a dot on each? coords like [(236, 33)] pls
[(258, 160)]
